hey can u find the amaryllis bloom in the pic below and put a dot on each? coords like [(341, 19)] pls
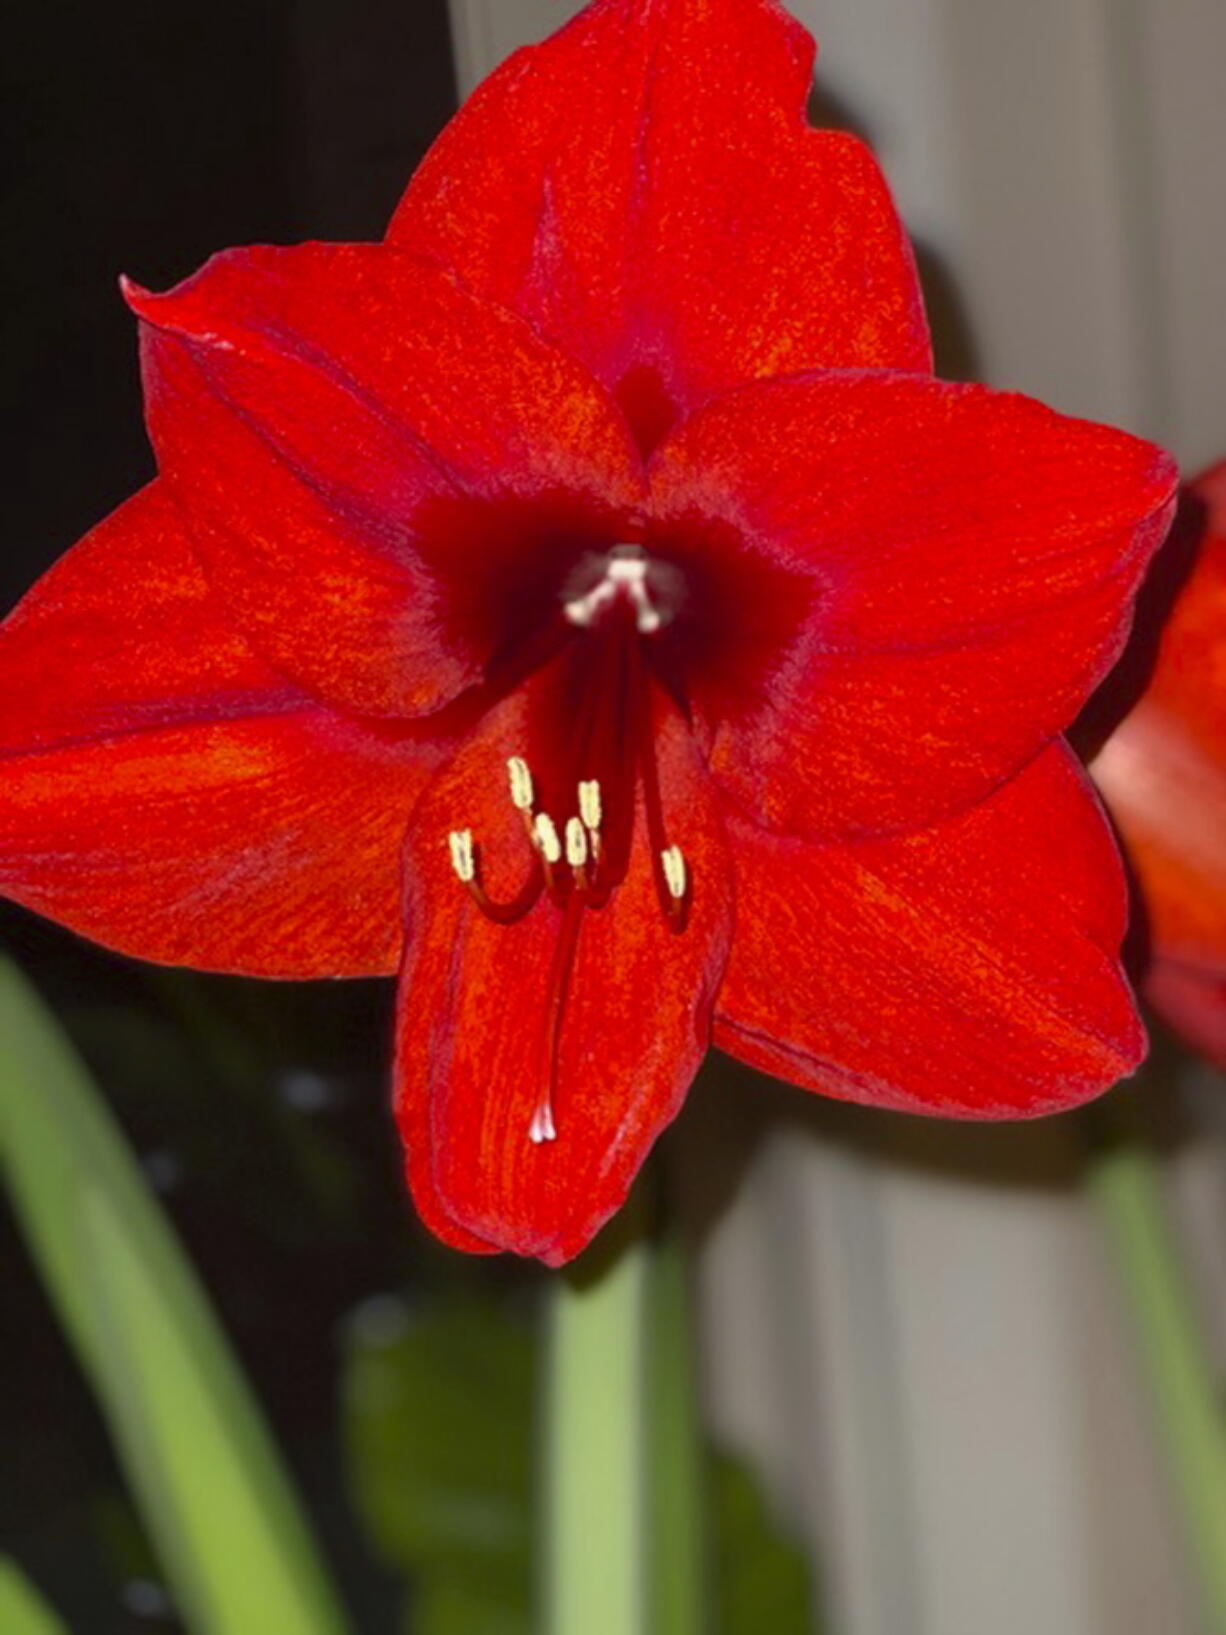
[(589, 603), (1163, 772)]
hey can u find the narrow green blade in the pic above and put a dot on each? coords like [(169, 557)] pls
[(228, 1528), (22, 1609)]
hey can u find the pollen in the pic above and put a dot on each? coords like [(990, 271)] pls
[(545, 833), (522, 793), (460, 842), (576, 843), (676, 875), (589, 803)]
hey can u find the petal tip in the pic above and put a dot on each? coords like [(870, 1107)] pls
[(135, 295), (188, 309), (150, 306)]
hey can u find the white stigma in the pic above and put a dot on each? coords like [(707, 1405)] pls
[(542, 1127), (576, 843), (461, 843), (546, 836), (589, 803), (522, 793), (676, 875), (625, 573)]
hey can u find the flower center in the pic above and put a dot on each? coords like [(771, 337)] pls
[(599, 778)]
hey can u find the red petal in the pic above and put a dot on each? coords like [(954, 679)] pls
[(474, 1031), (1168, 796), (645, 189), (322, 414), (1163, 769), (1193, 1002), (1210, 487), (970, 560), (1189, 678), (969, 970), (168, 795)]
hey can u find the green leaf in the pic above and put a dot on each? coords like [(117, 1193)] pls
[(762, 1577), (437, 1418), (22, 1609), (446, 1606), (214, 1496)]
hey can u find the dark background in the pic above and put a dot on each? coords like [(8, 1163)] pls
[(141, 138)]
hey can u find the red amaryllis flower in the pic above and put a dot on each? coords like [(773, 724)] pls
[(1163, 771), (590, 600)]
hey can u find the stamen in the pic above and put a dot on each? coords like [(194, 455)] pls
[(676, 875), (589, 803), (460, 842), (576, 843), (522, 793), (542, 1127), (546, 836)]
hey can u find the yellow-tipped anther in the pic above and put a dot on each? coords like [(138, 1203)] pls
[(521, 784), (589, 803), (460, 842), (676, 875), (546, 836), (576, 843)]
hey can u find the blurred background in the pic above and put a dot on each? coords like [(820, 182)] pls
[(912, 1341)]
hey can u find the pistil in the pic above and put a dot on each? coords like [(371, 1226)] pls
[(625, 576)]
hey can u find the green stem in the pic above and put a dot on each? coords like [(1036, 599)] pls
[(594, 1573), (1127, 1185), (677, 1510)]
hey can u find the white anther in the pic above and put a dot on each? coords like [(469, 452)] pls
[(589, 803), (542, 1127), (676, 875), (546, 837), (625, 572), (461, 843), (576, 843), (521, 784)]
